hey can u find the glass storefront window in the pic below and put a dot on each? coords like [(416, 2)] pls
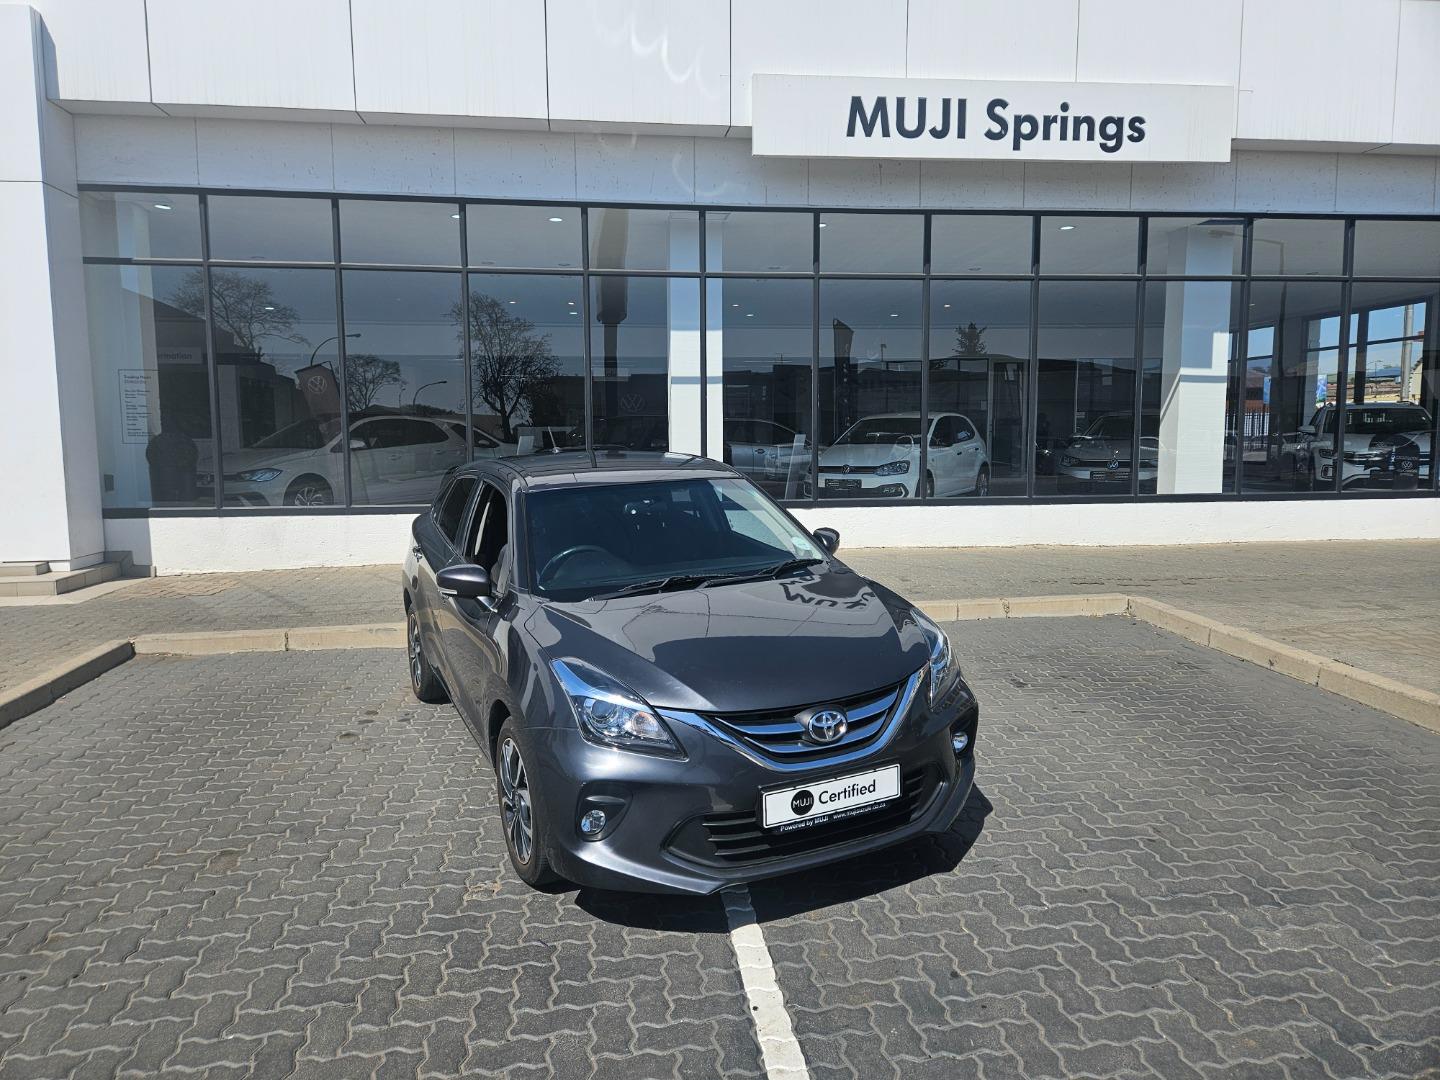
[(1184, 444), (1391, 387), (152, 384), (872, 243), (759, 241), (399, 233), (276, 363), (1089, 245), (411, 429), (1194, 247), (541, 237), (1291, 363), (1085, 409), (644, 239), (760, 339), (869, 390), (645, 363), (1297, 246), (269, 229), (527, 363), (140, 225), (979, 364), (1397, 249), (980, 244)]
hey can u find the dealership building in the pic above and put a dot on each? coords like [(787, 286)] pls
[(934, 272)]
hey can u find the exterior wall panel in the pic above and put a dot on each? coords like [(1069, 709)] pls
[(992, 39), (96, 53)]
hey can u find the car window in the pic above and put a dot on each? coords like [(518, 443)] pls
[(450, 507), (944, 433), (963, 431), (490, 530)]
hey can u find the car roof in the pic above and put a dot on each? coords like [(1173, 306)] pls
[(570, 468)]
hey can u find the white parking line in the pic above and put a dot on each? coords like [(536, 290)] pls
[(778, 1046)]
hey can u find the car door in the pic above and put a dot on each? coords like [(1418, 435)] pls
[(474, 629), (434, 543), (415, 454), (969, 453), (944, 456)]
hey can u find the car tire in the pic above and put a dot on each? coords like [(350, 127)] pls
[(982, 482), (522, 818), (929, 486), (425, 684), (309, 491)]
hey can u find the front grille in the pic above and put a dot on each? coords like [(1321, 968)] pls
[(738, 838), (780, 736), (849, 468)]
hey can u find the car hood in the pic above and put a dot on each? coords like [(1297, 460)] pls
[(867, 455), (823, 634), (241, 460)]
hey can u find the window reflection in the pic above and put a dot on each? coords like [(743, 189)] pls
[(523, 236), (979, 357), (1194, 247), (870, 426), (1291, 361), (1085, 411), (1089, 245), (764, 344), (407, 398), (645, 357), (1304, 246), (980, 244), (1391, 386), (152, 384), (267, 229), (140, 225), (276, 352), (527, 363), (759, 241), (1185, 380), (872, 243), (644, 239), (1397, 248), (400, 233)]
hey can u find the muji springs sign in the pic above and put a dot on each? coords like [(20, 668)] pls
[(838, 116)]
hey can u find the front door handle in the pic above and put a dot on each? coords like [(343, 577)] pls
[(417, 551)]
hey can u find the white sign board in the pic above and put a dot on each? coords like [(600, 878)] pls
[(137, 387), (839, 116)]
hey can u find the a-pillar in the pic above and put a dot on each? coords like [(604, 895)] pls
[(50, 489)]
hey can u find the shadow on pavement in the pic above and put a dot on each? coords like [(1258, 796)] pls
[(776, 898)]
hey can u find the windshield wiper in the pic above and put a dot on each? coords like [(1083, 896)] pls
[(786, 567), (665, 584)]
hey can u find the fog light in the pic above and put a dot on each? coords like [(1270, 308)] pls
[(592, 822), (959, 741)]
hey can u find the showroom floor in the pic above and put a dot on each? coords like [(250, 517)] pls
[(1177, 864)]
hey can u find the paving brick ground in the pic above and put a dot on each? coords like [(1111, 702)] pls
[(1371, 604), (266, 865), (272, 864), (1183, 867)]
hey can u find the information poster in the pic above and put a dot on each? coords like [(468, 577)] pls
[(137, 387)]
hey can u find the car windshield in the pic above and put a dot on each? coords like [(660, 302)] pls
[(1381, 421), (594, 540), (1119, 426), (307, 434), (881, 431)]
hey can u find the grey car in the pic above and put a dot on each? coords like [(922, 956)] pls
[(678, 685)]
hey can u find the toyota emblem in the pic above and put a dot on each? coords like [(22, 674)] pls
[(825, 726)]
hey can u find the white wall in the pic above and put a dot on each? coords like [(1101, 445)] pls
[(192, 545), (1356, 74)]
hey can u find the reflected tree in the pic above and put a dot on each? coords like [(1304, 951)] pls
[(242, 306), (513, 367), (970, 341), (365, 376)]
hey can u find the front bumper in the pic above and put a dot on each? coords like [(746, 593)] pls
[(835, 485), (665, 813)]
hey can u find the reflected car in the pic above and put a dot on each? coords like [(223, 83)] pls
[(1099, 458), (640, 431), (766, 452), (1373, 433), (393, 459), (879, 457), (679, 687)]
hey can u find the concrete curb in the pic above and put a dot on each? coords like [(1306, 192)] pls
[(34, 694), (45, 689)]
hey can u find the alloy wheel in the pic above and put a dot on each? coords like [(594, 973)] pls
[(515, 801), (412, 639), (310, 495)]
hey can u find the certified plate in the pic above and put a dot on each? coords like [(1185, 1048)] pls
[(825, 800)]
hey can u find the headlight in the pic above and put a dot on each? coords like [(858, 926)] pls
[(257, 476), (893, 468), (1325, 452), (610, 713), (944, 671)]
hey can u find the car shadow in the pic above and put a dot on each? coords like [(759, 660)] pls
[(777, 898)]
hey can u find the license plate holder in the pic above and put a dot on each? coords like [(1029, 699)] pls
[(815, 802)]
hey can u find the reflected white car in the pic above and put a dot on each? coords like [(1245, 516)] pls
[(879, 457), (1100, 455), (1373, 432), (393, 460), (766, 452)]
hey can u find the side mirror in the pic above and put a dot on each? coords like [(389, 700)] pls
[(464, 580), (828, 539)]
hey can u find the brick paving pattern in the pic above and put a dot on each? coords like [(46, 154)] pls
[(272, 865), (1181, 866)]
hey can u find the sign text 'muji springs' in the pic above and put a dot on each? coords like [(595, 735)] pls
[(921, 117)]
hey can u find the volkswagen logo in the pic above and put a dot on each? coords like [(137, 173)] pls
[(317, 384), (845, 468), (825, 726), (1114, 464)]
